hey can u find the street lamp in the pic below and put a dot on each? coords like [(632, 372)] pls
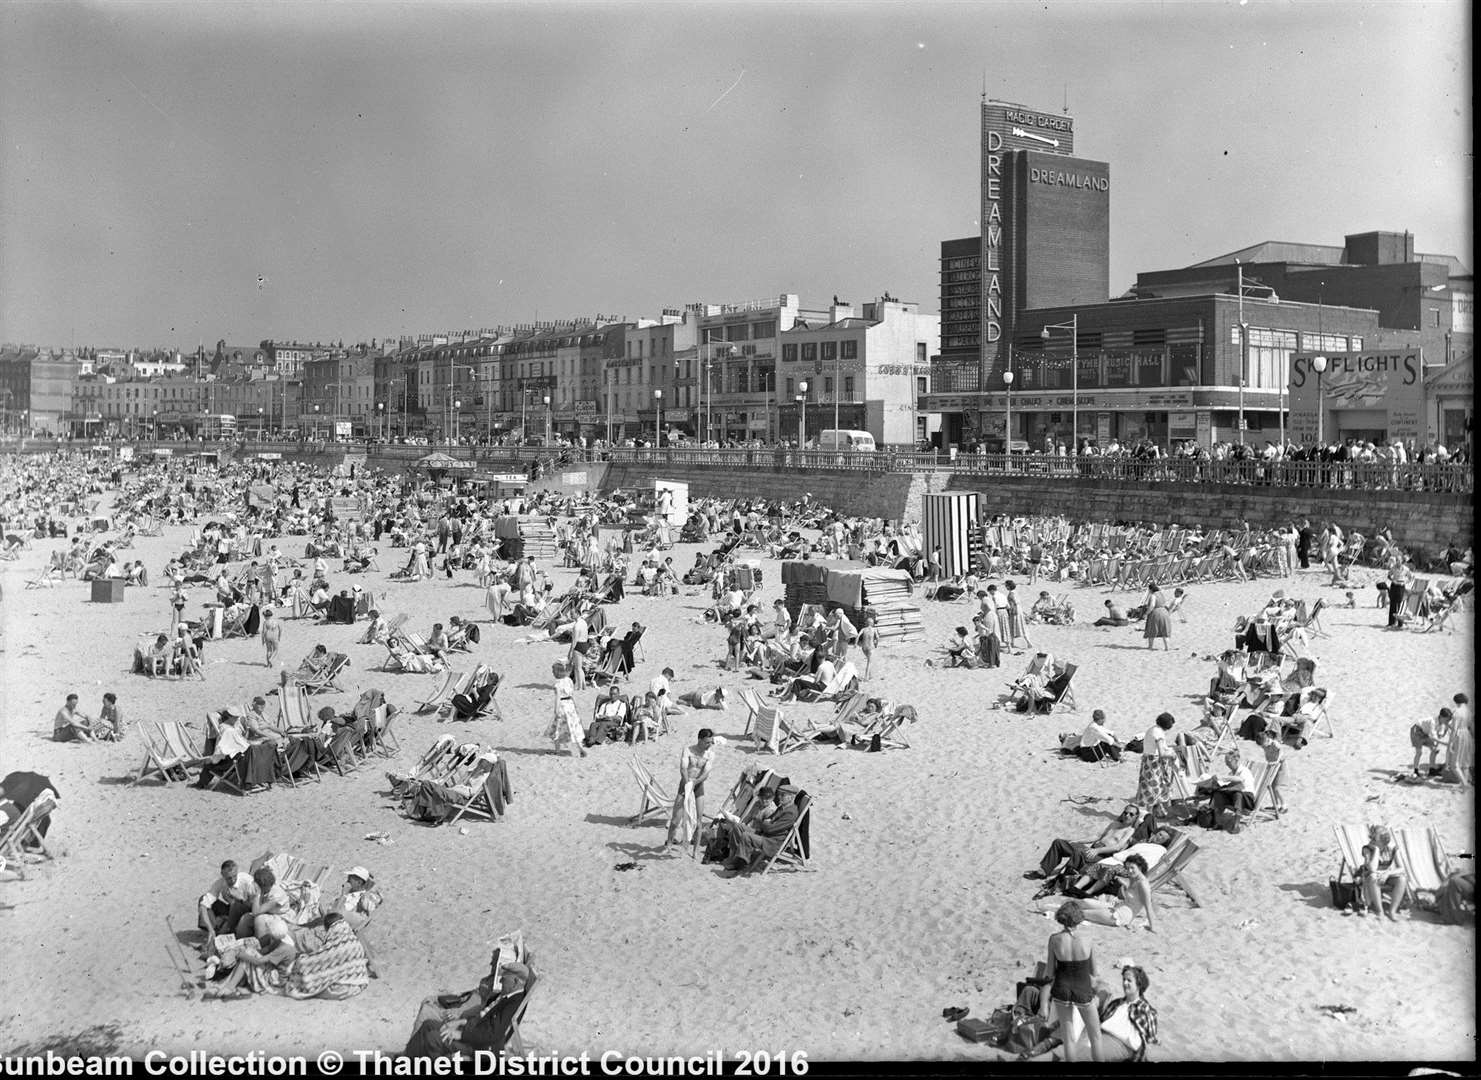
[(380, 407), (1319, 365), (801, 415), (1073, 326), (261, 423), (547, 419), (1008, 412), (457, 412), (316, 421), (657, 418), (154, 426)]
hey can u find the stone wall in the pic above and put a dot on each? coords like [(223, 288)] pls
[(882, 495), (1420, 520)]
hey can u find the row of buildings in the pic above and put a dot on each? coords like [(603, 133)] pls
[(768, 369), (1279, 340)]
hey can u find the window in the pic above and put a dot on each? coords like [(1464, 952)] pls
[(810, 352), (920, 352), (738, 332), (789, 356), (830, 350), (848, 387), (791, 388), (1155, 335), (763, 330), (828, 386), (849, 349), (920, 383)]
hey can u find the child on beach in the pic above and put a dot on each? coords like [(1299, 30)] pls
[(272, 635), (868, 639)]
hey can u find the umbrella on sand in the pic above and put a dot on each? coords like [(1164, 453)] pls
[(22, 788)]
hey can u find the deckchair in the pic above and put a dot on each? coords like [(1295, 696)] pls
[(1063, 693), (886, 728), (742, 796), (45, 578), (228, 777), (318, 682), (381, 737), (453, 682), (1265, 773), (26, 829), (796, 849), (1422, 856), (1169, 869), (168, 749), (845, 680), (432, 758), (654, 799), (788, 738), (341, 748), (1350, 842), (849, 707), (483, 800), (752, 701)]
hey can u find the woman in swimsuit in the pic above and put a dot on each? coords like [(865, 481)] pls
[(1072, 966)]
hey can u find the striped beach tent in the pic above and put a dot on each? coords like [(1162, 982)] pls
[(948, 519)]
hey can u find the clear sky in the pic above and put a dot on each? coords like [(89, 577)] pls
[(173, 173)]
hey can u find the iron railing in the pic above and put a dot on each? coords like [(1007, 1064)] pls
[(1355, 475)]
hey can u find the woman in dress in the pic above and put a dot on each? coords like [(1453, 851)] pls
[(1159, 620), (565, 724), (695, 763), (1159, 764)]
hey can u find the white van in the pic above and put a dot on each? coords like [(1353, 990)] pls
[(845, 440)]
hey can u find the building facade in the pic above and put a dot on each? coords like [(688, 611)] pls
[(862, 370)]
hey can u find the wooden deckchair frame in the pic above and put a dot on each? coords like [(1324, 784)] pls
[(452, 683), (481, 802), (1169, 870), (163, 757), (791, 855), (653, 798), (28, 827)]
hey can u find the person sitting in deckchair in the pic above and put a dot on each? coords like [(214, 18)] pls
[(816, 683), (461, 635), (427, 800), (1296, 729), (1065, 860), (1230, 790), (484, 1027), (1032, 686), (752, 845), (378, 630), (762, 809), (315, 663), (474, 703)]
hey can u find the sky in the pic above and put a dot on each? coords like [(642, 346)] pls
[(181, 173)]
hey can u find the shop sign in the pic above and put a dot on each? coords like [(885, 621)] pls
[(1390, 380), (1182, 424), (1205, 429)]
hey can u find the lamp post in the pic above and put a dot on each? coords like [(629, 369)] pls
[(316, 421), (154, 426), (1073, 326), (380, 408), (524, 400), (261, 423), (1008, 413), (547, 419), (801, 415), (457, 414), (1319, 365), (657, 418)]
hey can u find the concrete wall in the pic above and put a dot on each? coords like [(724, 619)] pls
[(1421, 520), (882, 495)]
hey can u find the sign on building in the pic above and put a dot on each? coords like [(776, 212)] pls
[(1358, 391)]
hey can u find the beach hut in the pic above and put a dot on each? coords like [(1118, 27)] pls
[(949, 522)]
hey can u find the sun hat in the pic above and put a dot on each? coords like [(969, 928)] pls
[(359, 872)]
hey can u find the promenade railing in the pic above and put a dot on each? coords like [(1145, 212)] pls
[(1355, 475)]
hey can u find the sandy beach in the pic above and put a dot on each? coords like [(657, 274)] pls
[(914, 900)]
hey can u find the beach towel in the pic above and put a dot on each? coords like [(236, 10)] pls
[(338, 969)]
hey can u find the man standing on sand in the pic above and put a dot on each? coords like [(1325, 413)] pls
[(272, 635), (1304, 536)]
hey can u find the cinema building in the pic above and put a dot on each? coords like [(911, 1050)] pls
[(1034, 349)]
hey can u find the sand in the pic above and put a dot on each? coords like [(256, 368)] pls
[(914, 900)]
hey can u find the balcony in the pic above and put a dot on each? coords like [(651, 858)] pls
[(954, 376)]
